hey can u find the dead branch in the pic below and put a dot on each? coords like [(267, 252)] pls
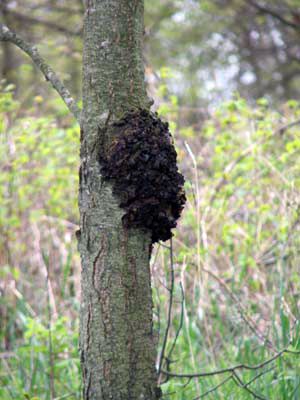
[(232, 369), (7, 35), (49, 24), (243, 313), (272, 13), (171, 293)]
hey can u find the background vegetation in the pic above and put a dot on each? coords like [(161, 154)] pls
[(226, 76)]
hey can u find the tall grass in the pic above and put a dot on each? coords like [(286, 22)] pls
[(235, 256)]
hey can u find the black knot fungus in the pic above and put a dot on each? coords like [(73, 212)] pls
[(141, 162)]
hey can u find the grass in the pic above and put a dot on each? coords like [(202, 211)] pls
[(235, 255)]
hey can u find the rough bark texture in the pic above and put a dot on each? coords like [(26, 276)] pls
[(116, 339), (7, 51)]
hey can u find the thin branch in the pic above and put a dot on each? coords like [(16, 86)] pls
[(171, 293), (231, 369), (279, 17), (237, 380), (168, 358), (179, 327), (242, 311), (181, 389), (213, 389), (7, 35), (49, 24), (259, 376), (295, 390), (56, 8), (288, 126)]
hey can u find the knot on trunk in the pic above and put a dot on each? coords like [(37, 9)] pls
[(141, 163)]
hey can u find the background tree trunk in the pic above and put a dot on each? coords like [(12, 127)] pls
[(7, 66), (116, 340)]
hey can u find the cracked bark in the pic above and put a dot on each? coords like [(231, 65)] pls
[(116, 338)]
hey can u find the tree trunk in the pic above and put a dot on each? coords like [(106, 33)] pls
[(7, 66), (117, 343)]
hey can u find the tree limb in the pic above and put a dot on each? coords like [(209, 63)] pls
[(232, 369), (268, 11), (7, 35), (56, 8), (48, 24)]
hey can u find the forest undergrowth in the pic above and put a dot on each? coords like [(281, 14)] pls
[(231, 269)]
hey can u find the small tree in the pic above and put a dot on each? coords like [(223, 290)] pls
[(130, 196)]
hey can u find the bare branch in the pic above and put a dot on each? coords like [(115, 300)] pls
[(288, 126), (243, 313), (259, 376), (237, 380), (268, 11), (232, 369), (179, 327), (7, 35), (171, 293), (168, 358), (214, 388), (56, 8), (49, 24)]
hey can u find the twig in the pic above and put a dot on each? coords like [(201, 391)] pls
[(231, 369), (171, 292), (295, 391), (49, 24), (164, 246), (179, 327), (55, 8), (268, 11), (259, 376), (168, 357), (231, 377), (214, 388), (287, 126), (8, 36), (237, 380), (243, 313), (181, 389), (157, 311)]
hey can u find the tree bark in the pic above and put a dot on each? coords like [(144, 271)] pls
[(8, 59), (117, 343)]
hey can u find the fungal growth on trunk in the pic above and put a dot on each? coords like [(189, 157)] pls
[(141, 163)]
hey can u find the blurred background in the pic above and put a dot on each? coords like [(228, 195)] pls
[(226, 75)]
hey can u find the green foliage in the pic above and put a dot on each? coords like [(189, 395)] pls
[(216, 47), (38, 191), (38, 169), (27, 372), (235, 251), (36, 147)]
